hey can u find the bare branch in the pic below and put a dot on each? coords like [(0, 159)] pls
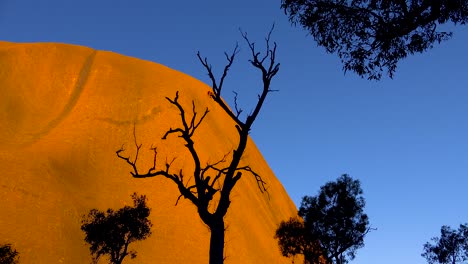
[(230, 59), (268, 72), (178, 198), (212, 166), (193, 125), (172, 131), (236, 107), (155, 150), (217, 89), (153, 171), (188, 130), (127, 159), (189, 188), (136, 144), (261, 184), (175, 102), (208, 68)]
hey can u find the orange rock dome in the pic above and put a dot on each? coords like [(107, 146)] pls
[(65, 110)]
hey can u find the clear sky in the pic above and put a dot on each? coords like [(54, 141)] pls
[(406, 139)]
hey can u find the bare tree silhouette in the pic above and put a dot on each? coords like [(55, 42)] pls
[(221, 176)]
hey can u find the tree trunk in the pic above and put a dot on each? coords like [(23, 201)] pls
[(337, 259), (217, 242)]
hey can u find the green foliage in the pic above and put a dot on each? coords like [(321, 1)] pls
[(451, 247), (111, 232), (8, 255), (334, 224), (372, 35)]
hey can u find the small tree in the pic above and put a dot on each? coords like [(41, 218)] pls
[(111, 232), (8, 255), (219, 177), (371, 35), (450, 248), (293, 240), (334, 224)]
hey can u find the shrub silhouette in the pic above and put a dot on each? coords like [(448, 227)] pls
[(8, 255), (111, 232)]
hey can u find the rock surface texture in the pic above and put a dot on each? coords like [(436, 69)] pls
[(65, 110)]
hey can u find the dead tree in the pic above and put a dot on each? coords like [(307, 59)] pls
[(219, 177)]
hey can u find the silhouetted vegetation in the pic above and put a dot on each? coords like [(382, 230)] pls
[(293, 240), (450, 248), (372, 35), (334, 224), (111, 232), (8, 255), (220, 177)]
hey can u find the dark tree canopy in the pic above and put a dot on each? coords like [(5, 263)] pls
[(334, 224), (111, 232), (8, 255), (372, 35), (450, 248), (293, 239)]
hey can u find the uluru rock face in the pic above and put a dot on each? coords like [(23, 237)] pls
[(65, 110)]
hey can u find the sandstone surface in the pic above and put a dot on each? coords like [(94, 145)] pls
[(65, 110)]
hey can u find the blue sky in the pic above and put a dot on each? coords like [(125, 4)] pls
[(406, 139)]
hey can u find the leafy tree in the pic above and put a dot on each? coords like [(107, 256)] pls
[(372, 35), (111, 232), (293, 240), (450, 248), (334, 224), (209, 187), (8, 255)]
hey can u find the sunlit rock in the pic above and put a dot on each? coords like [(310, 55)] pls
[(65, 110)]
